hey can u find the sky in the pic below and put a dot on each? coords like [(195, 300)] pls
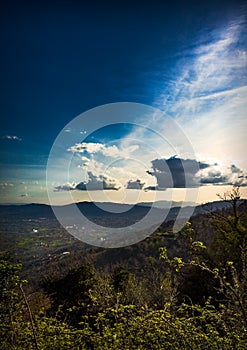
[(122, 102)]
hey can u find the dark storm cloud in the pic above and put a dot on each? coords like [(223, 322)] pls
[(135, 185), (235, 169), (153, 188), (176, 172), (183, 173)]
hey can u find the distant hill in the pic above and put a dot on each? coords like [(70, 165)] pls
[(31, 234), (111, 214), (113, 210), (167, 204)]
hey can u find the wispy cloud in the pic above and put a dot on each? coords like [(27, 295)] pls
[(213, 68), (207, 97)]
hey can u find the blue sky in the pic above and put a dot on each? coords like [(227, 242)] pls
[(61, 59)]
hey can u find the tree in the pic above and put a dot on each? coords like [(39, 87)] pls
[(71, 294), (10, 298), (230, 231), (228, 276)]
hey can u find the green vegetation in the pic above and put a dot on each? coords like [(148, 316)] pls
[(180, 291)]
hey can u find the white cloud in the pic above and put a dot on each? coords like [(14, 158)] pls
[(95, 167), (214, 174), (107, 151), (98, 182), (11, 137), (6, 184), (125, 170), (65, 187), (88, 147), (98, 177)]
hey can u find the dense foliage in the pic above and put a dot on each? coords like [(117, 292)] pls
[(193, 296)]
